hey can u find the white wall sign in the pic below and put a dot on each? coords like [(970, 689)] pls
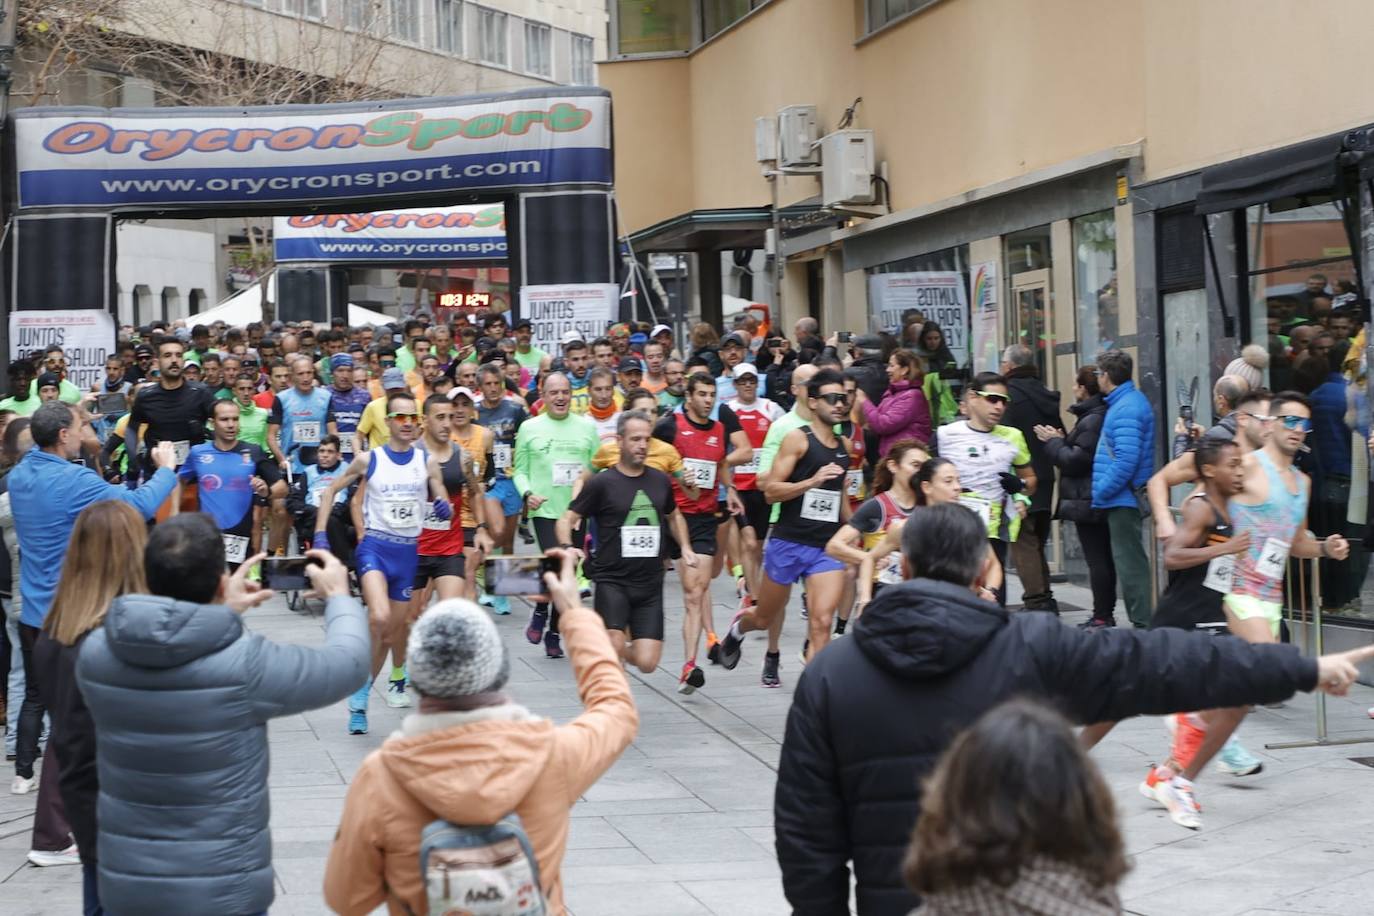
[(86, 336), (937, 294), (987, 329), (555, 310)]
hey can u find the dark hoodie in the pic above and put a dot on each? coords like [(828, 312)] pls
[(873, 712), (1032, 404), (180, 695)]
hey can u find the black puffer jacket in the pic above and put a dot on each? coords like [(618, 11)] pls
[(1073, 455), (873, 712), (1032, 404)]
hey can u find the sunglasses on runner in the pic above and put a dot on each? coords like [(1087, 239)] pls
[(405, 417), (1291, 422), (835, 398), (993, 396)]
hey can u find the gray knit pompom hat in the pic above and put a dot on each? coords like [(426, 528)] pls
[(455, 650)]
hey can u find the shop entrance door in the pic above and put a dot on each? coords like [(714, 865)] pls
[(1031, 324), (1030, 316)]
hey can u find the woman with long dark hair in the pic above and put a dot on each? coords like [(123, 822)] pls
[(932, 347), (997, 837), (104, 560), (1073, 454)]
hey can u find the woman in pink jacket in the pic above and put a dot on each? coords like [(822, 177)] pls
[(903, 412)]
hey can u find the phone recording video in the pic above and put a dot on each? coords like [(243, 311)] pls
[(518, 575), (844, 336), (285, 573)]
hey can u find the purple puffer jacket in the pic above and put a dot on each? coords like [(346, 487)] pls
[(902, 414)]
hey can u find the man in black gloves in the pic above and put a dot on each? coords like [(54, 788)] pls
[(993, 461)]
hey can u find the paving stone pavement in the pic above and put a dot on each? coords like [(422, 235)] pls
[(682, 824)]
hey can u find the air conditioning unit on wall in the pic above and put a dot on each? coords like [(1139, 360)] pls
[(847, 168), (797, 135)]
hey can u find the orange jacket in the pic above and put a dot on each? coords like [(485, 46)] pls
[(474, 768)]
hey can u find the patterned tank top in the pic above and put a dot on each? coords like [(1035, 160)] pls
[(1272, 525)]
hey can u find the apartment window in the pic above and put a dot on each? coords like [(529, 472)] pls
[(310, 9), (538, 45), (583, 54), (405, 19), (448, 26), (361, 15), (492, 38), (881, 12), (717, 15), (653, 26)]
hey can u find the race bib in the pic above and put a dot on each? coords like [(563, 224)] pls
[(853, 482), (306, 432), (235, 548), (183, 448), (751, 466), (821, 505), (501, 456), (1273, 558), (640, 541), (566, 472), (979, 505), (433, 522), (401, 512), (703, 471), (1220, 572)]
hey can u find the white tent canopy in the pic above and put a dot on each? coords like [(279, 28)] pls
[(245, 306)]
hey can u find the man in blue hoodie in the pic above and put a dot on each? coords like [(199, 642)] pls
[(47, 493), (1123, 463)]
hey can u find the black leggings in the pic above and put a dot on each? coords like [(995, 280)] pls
[(546, 538), (1096, 539), (31, 712)]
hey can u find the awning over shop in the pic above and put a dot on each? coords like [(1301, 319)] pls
[(714, 230), (1303, 170)]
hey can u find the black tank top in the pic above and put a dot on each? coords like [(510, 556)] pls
[(1187, 603), (814, 517)]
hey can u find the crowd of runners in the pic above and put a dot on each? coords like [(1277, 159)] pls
[(417, 453)]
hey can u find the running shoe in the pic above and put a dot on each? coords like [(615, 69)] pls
[(1177, 796), (713, 648), (22, 785), (692, 679), (396, 696), (499, 604), (1152, 780), (553, 647), (1235, 760), (44, 858), (535, 631), (771, 663), (1097, 623), (357, 721), (525, 533), (731, 647)]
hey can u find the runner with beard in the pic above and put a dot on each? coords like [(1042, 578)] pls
[(228, 474), (807, 480), (633, 511)]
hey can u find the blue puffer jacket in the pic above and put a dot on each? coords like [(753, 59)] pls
[(180, 695), (1125, 456)]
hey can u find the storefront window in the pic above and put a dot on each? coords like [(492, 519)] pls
[(1028, 286), (1094, 279), (903, 295), (653, 26), (1303, 310)]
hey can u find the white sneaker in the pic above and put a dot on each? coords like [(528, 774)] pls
[(396, 696), (1177, 796), (68, 856), (22, 786)]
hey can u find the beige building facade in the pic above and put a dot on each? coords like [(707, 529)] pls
[(1163, 176)]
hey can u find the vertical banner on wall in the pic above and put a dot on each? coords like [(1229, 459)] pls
[(986, 318), (559, 308), (86, 336), (936, 294)]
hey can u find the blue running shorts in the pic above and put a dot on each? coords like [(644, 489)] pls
[(393, 557), (503, 489), (787, 562)]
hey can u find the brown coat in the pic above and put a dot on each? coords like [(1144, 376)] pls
[(475, 768)]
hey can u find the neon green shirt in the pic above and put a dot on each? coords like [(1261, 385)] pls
[(549, 455), (531, 360), (405, 360), (252, 424), (24, 408)]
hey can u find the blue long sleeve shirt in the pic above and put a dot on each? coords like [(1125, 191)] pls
[(47, 493)]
